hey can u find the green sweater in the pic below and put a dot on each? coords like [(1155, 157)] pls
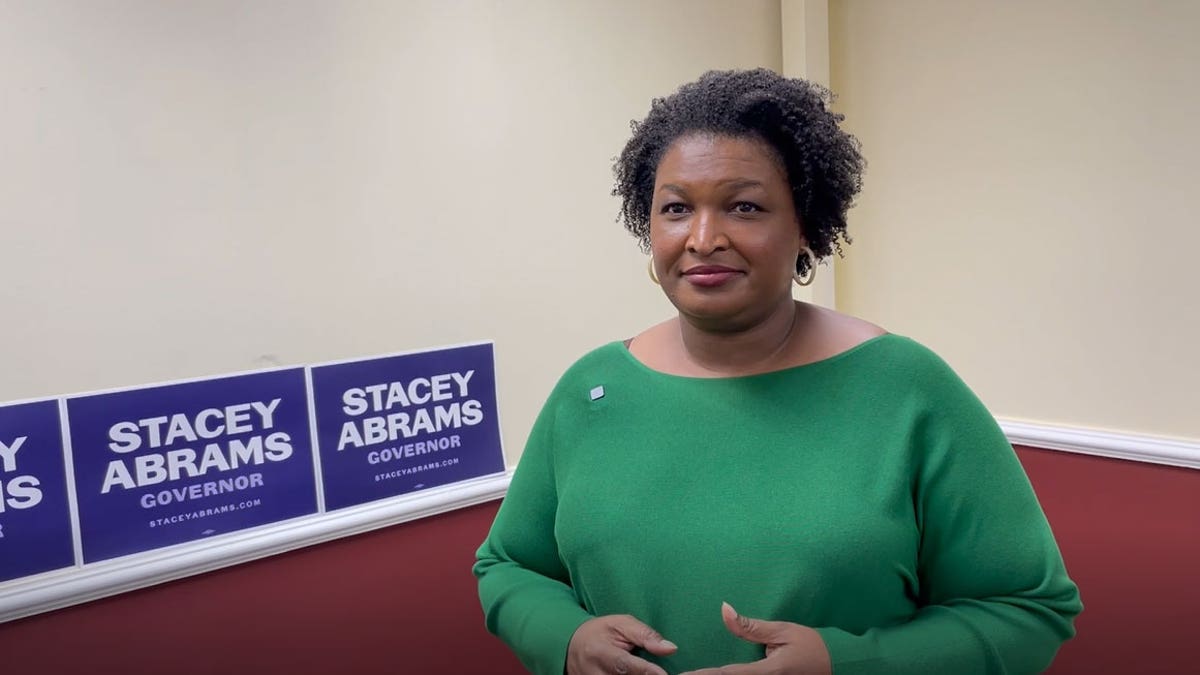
[(869, 495)]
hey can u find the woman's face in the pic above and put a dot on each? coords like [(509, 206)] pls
[(723, 230)]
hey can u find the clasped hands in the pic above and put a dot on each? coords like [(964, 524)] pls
[(602, 646)]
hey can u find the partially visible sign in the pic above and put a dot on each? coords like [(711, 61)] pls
[(388, 426), (35, 514), (175, 463)]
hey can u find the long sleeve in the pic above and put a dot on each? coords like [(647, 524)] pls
[(527, 600), (994, 594)]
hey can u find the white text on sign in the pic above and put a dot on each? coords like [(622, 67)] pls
[(16, 492), (208, 424), (387, 426)]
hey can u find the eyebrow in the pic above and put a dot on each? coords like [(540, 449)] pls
[(736, 184)]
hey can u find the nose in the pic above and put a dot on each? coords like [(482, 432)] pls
[(706, 234)]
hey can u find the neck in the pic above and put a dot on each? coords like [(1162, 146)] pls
[(755, 349)]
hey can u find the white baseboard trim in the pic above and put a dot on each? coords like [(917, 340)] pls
[(1138, 448), (63, 588)]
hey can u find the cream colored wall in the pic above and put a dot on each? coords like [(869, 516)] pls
[(205, 187), (804, 31), (1028, 209)]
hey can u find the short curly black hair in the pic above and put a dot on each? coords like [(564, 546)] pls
[(823, 163)]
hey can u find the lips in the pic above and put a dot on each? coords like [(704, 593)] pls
[(708, 269), (710, 276)]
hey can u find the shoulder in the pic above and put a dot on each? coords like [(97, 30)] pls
[(890, 360), (914, 360), (906, 361), (841, 324), (828, 333), (915, 373), (606, 360), (602, 356), (655, 337), (835, 332)]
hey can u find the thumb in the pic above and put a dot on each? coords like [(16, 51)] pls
[(752, 630), (637, 634)]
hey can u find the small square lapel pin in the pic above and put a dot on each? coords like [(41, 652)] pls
[(597, 393)]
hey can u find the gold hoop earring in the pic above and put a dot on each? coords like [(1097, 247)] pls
[(812, 267), (650, 271)]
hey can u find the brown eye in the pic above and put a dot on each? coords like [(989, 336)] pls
[(746, 207), (674, 209)]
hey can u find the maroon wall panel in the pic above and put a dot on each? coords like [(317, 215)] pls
[(401, 600), (1130, 535), (398, 600)]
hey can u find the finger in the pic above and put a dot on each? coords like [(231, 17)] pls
[(621, 662), (637, 634), (756, 668), (753, 630)]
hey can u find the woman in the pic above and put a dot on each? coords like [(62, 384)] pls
[(835, 482)]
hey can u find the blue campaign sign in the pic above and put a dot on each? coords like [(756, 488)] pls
[(391, 425), (174, 463), (35, 514)]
